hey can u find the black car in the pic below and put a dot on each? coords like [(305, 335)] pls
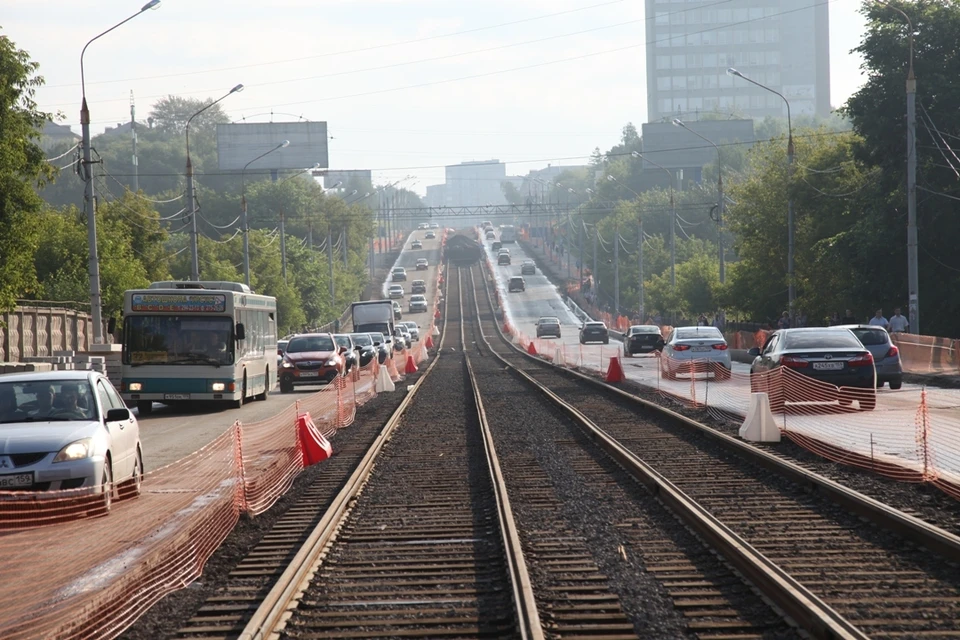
[(496, 246), (382, 346), (366, 350), (347, 349), (594, 332), (548, 326), (528, 268), (418, 286), (642, 339), (516, 284), (503, 259), (832, 356)]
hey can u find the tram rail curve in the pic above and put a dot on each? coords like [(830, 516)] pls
[(838, 563)]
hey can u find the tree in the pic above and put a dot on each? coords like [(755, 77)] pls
[(511, 193), (170, 115), (22, 164)]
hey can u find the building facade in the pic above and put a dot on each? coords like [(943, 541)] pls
[(783, 44), (475, 183)]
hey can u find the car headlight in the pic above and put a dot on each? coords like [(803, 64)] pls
[(286, 364), (77, 450), (332, 362)]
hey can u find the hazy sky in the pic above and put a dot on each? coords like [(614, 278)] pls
[(406, 86)]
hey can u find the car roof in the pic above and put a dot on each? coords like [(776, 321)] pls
[(396, 286), (645, 326), (872, 327), (34, 376), (593, 322)]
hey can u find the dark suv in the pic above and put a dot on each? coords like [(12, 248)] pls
[(516, 284), (594, 332)]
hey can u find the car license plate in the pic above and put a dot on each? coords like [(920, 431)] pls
[(16, 480), (699, 348), (309, 374), (176, 396), (828, 366)]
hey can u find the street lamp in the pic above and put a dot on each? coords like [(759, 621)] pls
[(791, 224), (243, 203), (677, 122), (640, 290), (89, 199), (913, 277), (673, 219), (191, 193)]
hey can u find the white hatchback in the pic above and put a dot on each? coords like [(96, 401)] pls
[(695, 350), (395, 291), (68, 430)]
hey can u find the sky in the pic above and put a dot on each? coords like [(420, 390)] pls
[(406, 86)]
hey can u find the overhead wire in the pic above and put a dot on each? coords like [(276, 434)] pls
[(65, 153)]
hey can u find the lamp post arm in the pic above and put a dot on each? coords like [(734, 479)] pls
[(190, 119), (83, 89)]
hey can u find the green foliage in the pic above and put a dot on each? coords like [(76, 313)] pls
[(21, 163)]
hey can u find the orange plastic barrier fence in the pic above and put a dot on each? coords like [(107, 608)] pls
[(928, 354)]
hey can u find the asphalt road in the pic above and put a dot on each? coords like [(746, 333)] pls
[(891, 430), (170, 434)]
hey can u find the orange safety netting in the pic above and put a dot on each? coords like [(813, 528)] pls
[(928, 354), (92, 577)]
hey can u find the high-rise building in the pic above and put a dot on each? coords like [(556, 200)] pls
[(475, 183), (783, 44)]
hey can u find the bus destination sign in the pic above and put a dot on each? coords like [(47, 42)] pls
[(178, 303)]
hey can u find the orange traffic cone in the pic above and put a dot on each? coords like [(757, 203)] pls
[(412, 365), (429, 341), (506, 328), (315, 447), (436, 314), (615, 372), (532, 350)]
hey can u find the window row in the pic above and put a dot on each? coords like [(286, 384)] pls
[(722, 61), (714, 16), (713, 38), (710, 103), (711, 81)]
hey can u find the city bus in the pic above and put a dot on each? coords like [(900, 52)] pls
[(508, 233), (189, 342)]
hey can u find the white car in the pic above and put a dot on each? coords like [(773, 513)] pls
[(695, 350), (68, 430), (395, 291), (413, 328), (418, 304)]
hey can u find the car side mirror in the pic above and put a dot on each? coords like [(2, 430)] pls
[(118, 415), (240, 332), (753, 352)]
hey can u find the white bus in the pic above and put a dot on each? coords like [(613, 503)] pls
[(186, 342), (508, 233)]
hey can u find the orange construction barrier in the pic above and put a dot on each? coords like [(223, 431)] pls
[(531, 349), (615, 371), (411, 365), (429, 341), (316, 448)]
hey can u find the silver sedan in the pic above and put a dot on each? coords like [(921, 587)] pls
[(695, 350)]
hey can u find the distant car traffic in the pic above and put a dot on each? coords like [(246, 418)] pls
[(434, 225), (348, 350), (691, 350), (366, 350), (422, 264), (886, 355), (594, 332), (417, 304), (430, 235), (413, 328), (548, 326), (416, 244), (642, 339), (397, 311), (490, 235), (418, 286), (399, 274), (503, 259), (68, 430), (830, 355), (516, 283), (382, 346), (423, 225), (496, 245), (395, 291), (528, 268), (310, 358)]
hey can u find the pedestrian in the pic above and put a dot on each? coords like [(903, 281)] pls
[(848, 318), (784, 321), (898, 323), (834, 319), (879, 321), (801, 319), (702, 321)]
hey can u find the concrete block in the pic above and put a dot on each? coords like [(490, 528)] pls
[(64, 354), (760, 425)]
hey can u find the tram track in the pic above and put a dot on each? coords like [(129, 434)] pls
[(834, 573)]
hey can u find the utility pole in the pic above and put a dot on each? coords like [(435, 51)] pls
[(640, 264), (283, 249), (310, 235), (133, 134), (580, 242), (723, 269), (333, 290), (345, 262), (616, 269), (596, 281)]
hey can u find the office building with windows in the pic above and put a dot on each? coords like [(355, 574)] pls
[(783, 44)]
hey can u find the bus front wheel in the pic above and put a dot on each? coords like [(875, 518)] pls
[(238, 403), (266, 387)]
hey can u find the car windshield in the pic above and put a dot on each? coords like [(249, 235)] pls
[(871, 337), (377, 338), (515, 280), (651, 329), (343, 341), (396, 287), (46, 400), (412, 326), (594, 325), (821, 340), (361, 339), (699, 332), (310, 343), (417, 298)]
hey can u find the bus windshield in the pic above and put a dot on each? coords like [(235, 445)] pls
[(178, 340)]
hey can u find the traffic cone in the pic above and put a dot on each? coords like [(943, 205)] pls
[(436, 314), (429, 342), (615, 371), (411, 365), (384, 383), (436, 331), (532, 350), (315, 447)]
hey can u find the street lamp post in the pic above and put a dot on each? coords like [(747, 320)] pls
[(723, 270), (243, 203), (89, 198), (283, 231), (191, 192), (791, 223), (673, 221), (913, 276), (639, 250)]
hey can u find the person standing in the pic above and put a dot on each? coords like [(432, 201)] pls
[(898, 323), (849, 318), (879, 321), (784, 321), (834, 319)]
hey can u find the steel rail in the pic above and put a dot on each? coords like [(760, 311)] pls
[(528, 618), (807, 610), (270, 616)]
